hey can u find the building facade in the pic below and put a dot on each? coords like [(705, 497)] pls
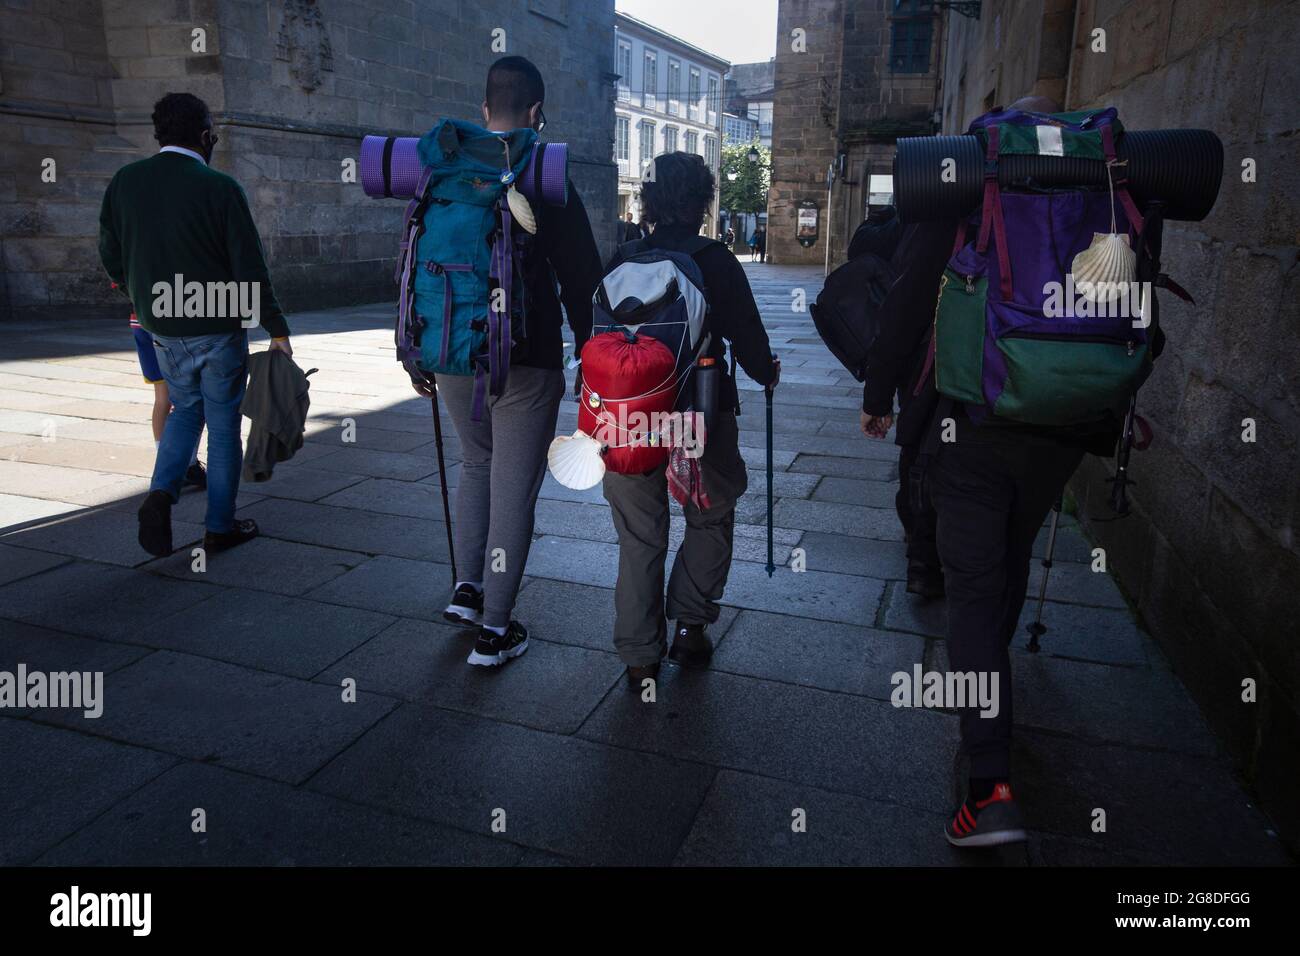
[(749, 94), (850, 78), (669, 97), (293, 86)]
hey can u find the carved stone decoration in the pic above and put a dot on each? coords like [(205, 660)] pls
[(305, 43)]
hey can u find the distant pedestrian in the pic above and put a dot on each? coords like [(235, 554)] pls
[(628, 230), (760, 243), (173, 217)]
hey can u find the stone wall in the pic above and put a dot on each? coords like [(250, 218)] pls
[(1209, 558), (804, 119), (838, 102), (293, 85)]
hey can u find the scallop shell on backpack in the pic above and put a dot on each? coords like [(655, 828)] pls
[(1102, 270), (575, 461)]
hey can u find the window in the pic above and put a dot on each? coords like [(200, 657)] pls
[(670, 139), (647, 141), (909, 39), (711, 152), (624, 66), (674, 88), (620, 143), (650, 80), (693, 96), (692, 138), (713, 101)]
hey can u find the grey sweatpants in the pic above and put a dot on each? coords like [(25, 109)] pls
[(641, 517), (503, 461)]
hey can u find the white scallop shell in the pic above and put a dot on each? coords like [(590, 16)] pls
[(520, 209), (1102, 270), (575, 461)]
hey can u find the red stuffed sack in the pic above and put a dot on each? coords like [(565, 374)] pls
[(617, 367)]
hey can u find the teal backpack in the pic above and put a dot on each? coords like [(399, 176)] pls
[(461, 300)]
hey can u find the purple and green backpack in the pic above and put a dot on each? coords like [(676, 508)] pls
[(1042, 315)]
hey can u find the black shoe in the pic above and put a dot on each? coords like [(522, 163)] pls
[(156, 524), (637, 675), (466, 606), (245, 530), (990, 822), (493, 649), (925, 581), (195, 477), (691, 646)]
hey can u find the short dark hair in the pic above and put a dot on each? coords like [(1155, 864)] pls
[(179, 119), (679, 192), (513, 85)]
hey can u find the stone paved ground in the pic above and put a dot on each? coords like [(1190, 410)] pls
[(223, 688)]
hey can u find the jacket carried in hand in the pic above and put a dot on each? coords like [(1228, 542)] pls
[(276, 403)]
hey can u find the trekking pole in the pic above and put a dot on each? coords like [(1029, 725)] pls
[(1037, 629), (771, 565), (442, 479)]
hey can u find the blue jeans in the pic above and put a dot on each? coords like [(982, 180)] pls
[(206, 376)]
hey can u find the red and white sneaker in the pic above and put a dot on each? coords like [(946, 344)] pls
[(990, 822)]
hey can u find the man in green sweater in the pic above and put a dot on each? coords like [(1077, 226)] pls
[(178, 236)]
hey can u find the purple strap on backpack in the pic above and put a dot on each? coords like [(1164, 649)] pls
[(992, 215)]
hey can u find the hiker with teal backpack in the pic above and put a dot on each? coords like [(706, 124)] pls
[(1030, 360), (479, 314)]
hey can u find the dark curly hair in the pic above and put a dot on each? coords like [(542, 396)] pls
[(679, 191), (179, 119)]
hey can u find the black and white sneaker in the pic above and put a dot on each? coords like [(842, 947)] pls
[(466, 606), (493, 649)]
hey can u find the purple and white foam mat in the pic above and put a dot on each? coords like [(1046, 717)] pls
[(390, 167)]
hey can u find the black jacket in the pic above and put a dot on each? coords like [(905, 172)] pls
[(563, 250)]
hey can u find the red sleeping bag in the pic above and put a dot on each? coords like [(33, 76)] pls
[(628, 384)]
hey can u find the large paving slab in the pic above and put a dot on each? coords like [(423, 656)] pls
[(796, 650), (267, 631), (751, 821), (350, 529), (99, 534), (264, 564), (214, 712), (414, 660), (782, 730), (99, 600), (561, 794), (255, 822), (56, 781), (18, 563)]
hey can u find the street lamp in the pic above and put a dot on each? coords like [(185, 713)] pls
[(732, 175), (752, 155)]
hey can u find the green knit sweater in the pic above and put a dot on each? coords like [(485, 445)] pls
[(178, 237)]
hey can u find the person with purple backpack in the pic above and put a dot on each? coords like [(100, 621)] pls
[(995, 454)]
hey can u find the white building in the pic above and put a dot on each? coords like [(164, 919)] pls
[(669, 98)]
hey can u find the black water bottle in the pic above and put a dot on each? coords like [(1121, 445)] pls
[(706, 393)]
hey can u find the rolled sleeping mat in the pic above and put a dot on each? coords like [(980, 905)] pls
[(1181, 168), (390, 167)]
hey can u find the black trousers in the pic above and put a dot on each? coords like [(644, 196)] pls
[(991, 498), (919, 524)]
